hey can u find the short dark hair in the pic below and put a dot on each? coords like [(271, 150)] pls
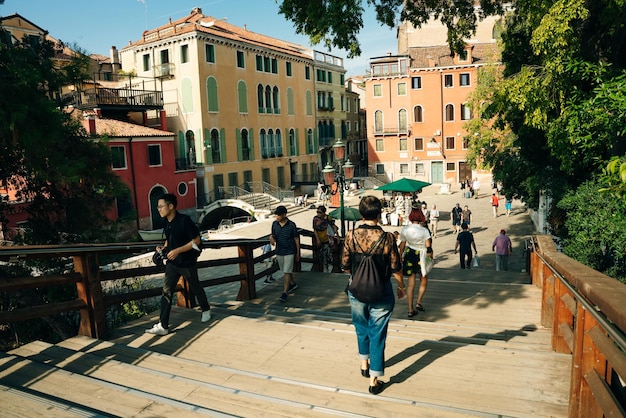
[(169, 198), (370, 208), (321, 208), (464, 225)]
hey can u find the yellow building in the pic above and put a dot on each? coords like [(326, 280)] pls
[(242, 104)]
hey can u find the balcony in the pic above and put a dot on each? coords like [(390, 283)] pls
[(165, 70), (126, 98), (394, 131)]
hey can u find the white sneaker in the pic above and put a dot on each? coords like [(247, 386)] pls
[(206, 316), (157, 329)]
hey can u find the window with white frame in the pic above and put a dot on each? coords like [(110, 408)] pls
[(464, 79), (380, 168), (401, 89), (154, 155), (449, 113), (378, 90), (416, 83), (404, 168), (448, 81), (418, 144), (380, 146), (466, 112), (419, 168), (450, 166), (118, 157), (449, 142)]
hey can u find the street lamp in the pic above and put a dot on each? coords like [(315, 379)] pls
[(341, 179)]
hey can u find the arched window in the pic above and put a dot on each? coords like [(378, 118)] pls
[(271, 145), (276, 100), (402, 122), (215, 146), (263, 140), (259, 98), (449, 113), (268, 99), (310, 145), (378, 121), (418, 114), (292, 142), (279, 144), (245, 145)]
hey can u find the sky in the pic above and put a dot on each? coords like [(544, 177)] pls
[(96, 26)]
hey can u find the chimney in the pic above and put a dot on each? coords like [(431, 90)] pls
[(92, 125), (163, 120), (115, 60)]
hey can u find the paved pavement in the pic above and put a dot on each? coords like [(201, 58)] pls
[(485, 228)]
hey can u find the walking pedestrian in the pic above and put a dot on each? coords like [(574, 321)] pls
[(323, 227), (415, 246), (494, 204), (371, 319), (434, 220), (181, 248), (287, 241), (503, 248), (456, 214), (466, 216), (464, 244)]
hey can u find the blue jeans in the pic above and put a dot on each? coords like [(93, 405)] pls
[(370, 322)]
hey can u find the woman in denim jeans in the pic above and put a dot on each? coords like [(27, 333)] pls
[(371, 319)]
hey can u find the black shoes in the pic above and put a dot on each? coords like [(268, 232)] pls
[(365, 372), (419, 307), (376, 389)]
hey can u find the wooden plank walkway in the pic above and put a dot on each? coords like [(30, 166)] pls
[(479, 350)]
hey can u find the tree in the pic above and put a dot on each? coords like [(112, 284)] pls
[(63, 174), (338, 22)]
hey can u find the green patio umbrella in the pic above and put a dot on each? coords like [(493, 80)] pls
[(404, 185), (349, 214)]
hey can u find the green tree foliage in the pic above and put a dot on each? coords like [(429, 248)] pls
[(63, 174), (338, 22), (614, 178), (593, 231)]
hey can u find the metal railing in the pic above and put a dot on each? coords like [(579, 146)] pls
[(585, 311)]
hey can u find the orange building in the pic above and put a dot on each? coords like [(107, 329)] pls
[(417, 104)]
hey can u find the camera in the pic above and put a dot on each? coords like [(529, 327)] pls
[(159, 256)]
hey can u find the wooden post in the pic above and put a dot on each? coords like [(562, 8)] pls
[(93, 316), (247, 289)]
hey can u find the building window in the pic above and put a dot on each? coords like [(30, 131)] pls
[(416, 83), (146, 62), (274, 66), (307, 72), (241, 63), (216, 147), (118, 157), (419, 168), (404, 168), (209, 52), (259, 63), (418, 144), (242, 97), (154, 155), (348, 126), (245, 146), (211, 91), (450, 166), (464, 79), (184, 54), (330, 78), (465, 143), (418, 114), (466, 112), (448, 82), (182, 188), (449, 113), (267, 64), (380, 168), (449, 142), (380, 146), (378, 121), (378, 90), (401, 89), (402, 121), (310, 145), (403, 144), (288, 68), (342, 79)]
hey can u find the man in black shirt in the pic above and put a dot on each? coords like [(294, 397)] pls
[(181, 248), (465, 240)]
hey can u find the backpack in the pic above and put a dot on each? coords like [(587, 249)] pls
[(369, 280)]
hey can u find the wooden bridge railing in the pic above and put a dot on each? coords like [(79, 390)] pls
[(586, 311), (87, 275)]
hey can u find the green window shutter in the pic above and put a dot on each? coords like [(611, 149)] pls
[(181, 145), (243, 97), (297, 142), (251, 144), (223, 145), (211, 87), (290, 107), (208, 155), (315, 140), (239, 149), (309, 104)]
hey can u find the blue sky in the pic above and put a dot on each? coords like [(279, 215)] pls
[(96, 26)]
